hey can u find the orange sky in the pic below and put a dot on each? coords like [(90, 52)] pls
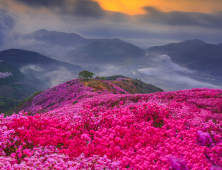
[(133, 7)]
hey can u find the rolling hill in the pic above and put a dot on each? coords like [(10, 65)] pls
[(115, 86), (29, 72)]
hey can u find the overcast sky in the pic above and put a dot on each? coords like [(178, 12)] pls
[(144, 22)]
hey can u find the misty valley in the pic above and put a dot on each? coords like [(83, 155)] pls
[(175, 66)]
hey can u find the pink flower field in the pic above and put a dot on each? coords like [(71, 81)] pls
[(72, 127)]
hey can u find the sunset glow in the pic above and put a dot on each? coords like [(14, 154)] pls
[(136, 7)]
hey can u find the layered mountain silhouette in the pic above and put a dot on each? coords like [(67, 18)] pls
[(106, 51), (60, 45), (194, 54), (50, 43), (123, 57)]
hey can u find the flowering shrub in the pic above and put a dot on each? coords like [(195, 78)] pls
[(99, 130)]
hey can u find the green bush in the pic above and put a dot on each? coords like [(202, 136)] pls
[(135, 83)]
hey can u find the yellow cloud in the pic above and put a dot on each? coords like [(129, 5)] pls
[(133, 7)]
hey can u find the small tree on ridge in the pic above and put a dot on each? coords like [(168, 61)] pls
[(85, 74)]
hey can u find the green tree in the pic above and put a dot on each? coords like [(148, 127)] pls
[(85, 74)]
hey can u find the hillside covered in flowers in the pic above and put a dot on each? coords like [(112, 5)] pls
[(73, 126)]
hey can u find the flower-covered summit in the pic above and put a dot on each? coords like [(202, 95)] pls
[(72, 126)]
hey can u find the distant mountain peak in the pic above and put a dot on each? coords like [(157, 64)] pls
[(105, 51), (43, 30), (57, 38), (184, 46), (197, 41), (40, 31)]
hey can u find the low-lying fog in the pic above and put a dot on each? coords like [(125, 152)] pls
[(51, 77), (171, 76), (160, 71)]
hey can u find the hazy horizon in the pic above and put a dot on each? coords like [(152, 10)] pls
[(143, 23)]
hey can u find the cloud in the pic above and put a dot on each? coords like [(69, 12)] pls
[(170, 76), (83, 8), (117, 17), (6, 74), (178, 18), (92, 9), (7, 22), (108, 70), (52, 77), (20, 43), (32, 67), (42, 3), (160, 71), (87, 8)]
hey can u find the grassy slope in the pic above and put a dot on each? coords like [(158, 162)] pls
[(23, 104), (130, 85), (14, 88)]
